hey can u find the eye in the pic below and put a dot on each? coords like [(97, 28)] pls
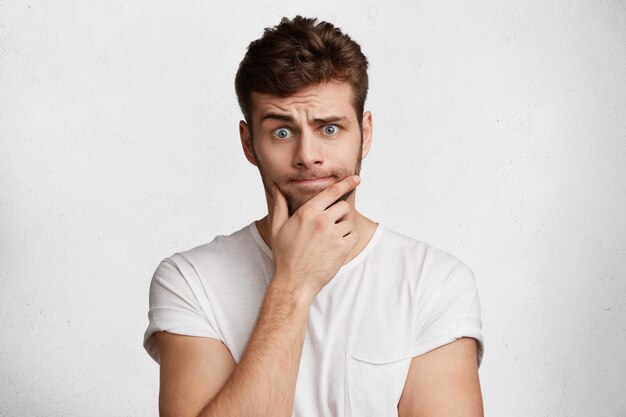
[(331, 130), (282, 133)]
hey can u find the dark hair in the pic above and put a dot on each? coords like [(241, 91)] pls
[(300, 53)]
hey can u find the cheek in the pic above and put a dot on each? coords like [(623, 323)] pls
[(272, 159), (349, 153)]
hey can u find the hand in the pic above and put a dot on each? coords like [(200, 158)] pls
[(309, 247)]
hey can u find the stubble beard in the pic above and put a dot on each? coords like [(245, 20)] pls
[(295, 200)]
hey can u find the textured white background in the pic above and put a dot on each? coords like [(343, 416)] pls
[(500, 136)]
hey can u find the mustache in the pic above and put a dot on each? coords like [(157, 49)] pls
[(319, 174)]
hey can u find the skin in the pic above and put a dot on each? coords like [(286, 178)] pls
[(308, 149), (309, 159)]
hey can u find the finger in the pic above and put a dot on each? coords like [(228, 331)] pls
[(344, 228), (331, 194), (280, 214), (337, 211), (352, 239)]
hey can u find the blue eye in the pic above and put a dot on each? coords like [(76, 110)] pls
[(330, 130), (282, 133)]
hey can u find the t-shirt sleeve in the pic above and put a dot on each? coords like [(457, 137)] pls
[(174, 307), (449, 310)]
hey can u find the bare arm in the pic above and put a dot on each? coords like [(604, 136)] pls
[(443, 383), (196, 370), (193, 370), (308, 249)]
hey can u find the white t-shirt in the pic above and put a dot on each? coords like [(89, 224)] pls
[(397, 299)]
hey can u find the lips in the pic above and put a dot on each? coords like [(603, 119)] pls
[(314, 180), (312, 184)]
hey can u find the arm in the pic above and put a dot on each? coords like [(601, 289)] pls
[(199, 376), (193, 369), (196, 371), (443, 383)]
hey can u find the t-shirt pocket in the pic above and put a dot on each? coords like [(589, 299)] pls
[(374, 385)]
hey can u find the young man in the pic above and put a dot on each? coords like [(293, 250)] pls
[(314, 310)]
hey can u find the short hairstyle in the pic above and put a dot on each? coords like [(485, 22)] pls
[(297, 54)]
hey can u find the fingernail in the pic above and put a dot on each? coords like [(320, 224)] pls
[(356, 178)]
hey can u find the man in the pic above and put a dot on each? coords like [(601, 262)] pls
[(314, 310)]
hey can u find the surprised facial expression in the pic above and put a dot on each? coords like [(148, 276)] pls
[(306, 142)]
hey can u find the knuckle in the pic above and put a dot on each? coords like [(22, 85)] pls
[(303, 215), (321, 222), (335, 190)]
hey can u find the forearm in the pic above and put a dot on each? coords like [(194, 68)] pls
[(263, 383)]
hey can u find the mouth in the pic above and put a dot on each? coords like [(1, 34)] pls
[(312, 181)]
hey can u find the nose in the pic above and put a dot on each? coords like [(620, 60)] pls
[(308, 152)]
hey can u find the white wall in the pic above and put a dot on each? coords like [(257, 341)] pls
[(500, 133)]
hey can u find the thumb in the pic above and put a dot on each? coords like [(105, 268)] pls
[(280, 213)]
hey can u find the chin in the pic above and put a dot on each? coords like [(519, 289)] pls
[(295, 201)]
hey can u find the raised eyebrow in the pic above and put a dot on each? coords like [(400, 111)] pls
[(329, 120), (277, 116)]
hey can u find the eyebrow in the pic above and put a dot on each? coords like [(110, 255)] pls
[(276, 116), (329, 119), (317, 120)]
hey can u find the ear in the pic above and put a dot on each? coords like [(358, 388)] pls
[(246, 142), (367, 133)]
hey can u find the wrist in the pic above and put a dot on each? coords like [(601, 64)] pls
[(284, 286)]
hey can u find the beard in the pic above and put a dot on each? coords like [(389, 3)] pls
[(298, 197)]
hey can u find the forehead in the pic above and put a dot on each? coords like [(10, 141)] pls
[(316, 100)]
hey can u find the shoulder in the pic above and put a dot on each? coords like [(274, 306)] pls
[(430, 271), (444, 291), (223, 244), (208, 261), (430, 259), (221, 248)]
